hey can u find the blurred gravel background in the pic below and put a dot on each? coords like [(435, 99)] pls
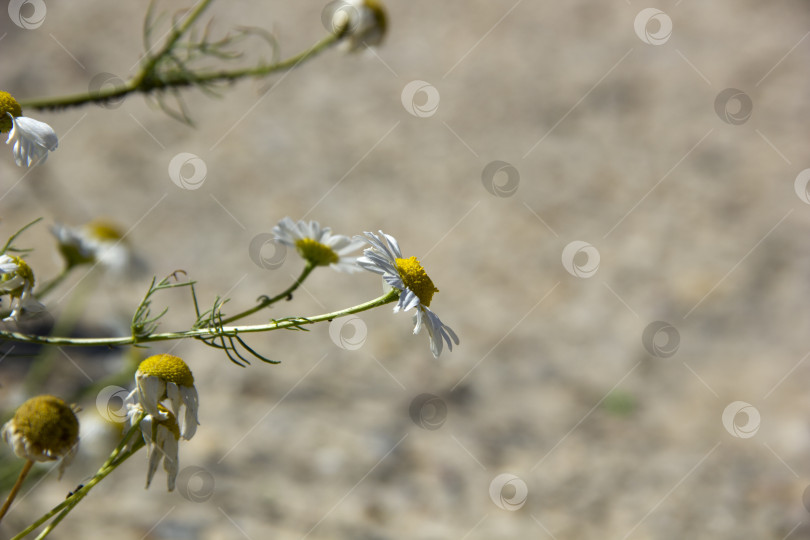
[(610, 134)]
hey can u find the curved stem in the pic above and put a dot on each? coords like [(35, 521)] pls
[(266, 301), (116, 458), (198, 333), (16, 489), (145, 84)]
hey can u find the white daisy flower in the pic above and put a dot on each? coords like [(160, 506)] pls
[(162, 377), (416, 289), (44, 428), (161, 435), (317, 245), (32, 139), (364, 22), (96, 242), (17, 280)]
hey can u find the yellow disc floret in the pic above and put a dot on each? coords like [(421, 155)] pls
[(47, 425), (103, 230), (315, 252), (416, 279), (8, 105), (168, 368)]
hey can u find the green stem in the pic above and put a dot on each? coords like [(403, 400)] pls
[(266, 301), (199, 333), (116, 458), (52, 284), (142, 83), (16, 489)]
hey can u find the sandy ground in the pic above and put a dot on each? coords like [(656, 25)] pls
[(594, 374)]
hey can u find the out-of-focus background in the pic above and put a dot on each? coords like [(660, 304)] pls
[(610, 197)]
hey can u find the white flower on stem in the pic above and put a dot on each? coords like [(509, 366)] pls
[(17, 281), (317, 245), (96, 242), (363, 21), (416, 288), (162, 377), (32, 140)]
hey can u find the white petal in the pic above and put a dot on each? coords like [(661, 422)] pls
[(151, 390)]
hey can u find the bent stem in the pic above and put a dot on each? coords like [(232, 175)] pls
[(146, 82), (117, 457), (266, 301), (201, 333), (16, 489)]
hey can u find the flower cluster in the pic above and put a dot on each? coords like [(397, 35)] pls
[(319, 247), (96, 242)]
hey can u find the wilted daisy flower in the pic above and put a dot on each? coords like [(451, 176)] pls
[(164, 376), (17, 280), (32, 139), (161, 435), (416, 289), (317, 244), (44, 428), (96, 242), (365, 23)]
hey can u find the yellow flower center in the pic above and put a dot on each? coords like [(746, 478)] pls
[(103, 230), (416, 279), (169, 368), (315, 252), (48, 424), (8, 105)]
